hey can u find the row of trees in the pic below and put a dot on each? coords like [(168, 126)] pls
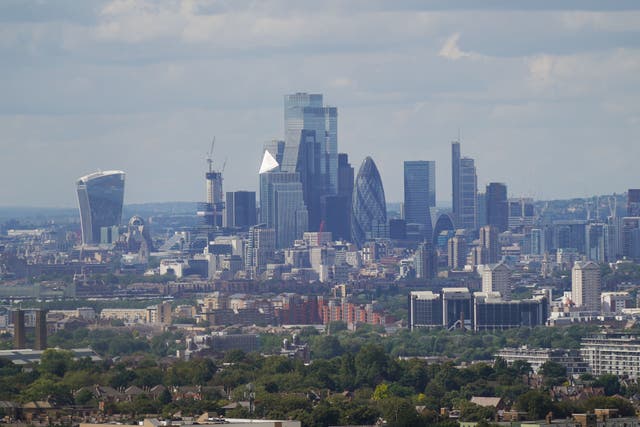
[(378, 385)]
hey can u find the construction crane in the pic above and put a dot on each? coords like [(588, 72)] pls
[(209, 157)]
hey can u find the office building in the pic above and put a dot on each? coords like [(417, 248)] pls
[(631, 238), (536, 357), (241, 209), (633, 202), (595, 244), (336, 209), (482, 209), (570, 234), (425, 310), (282, 201), (426, 261), (489, 244), (260, 249), (585, 285), (521, 214), (311, 148), (537, 242), (615, 353), (491, 312), (497, 278), (100, 198), (497, 206), (457, 308), (419, 194), (369, 209), (615, 302), (457, 252), (444, 223), (465, 189)]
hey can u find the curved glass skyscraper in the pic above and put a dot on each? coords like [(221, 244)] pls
[(100, 197), (369, 210)]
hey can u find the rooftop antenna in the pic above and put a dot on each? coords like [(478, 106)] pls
[(209, 157)]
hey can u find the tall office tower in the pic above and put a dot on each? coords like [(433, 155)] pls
[(311, 135), (465, 189), (291, 215), (369, 209), (521, 214), (497, 278), (455, 180), (489, 242), (570, 234), (426, 261), (41, 330), (260, 249), (497, 206), (241, 209), (420, 194), (281, 201), (100, 198), (457, 252), (19, 335), (612, 239), (537, 242), (631, 237), (633, 202), (336, 210), (482, 209), (585, 285), (595, 242)]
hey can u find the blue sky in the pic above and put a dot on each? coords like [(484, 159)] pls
[(544, 93)]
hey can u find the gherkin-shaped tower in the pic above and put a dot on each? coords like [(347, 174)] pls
[(369, 209)]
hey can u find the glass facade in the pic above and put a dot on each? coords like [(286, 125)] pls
[(100, 198), (311, 134), (419, 193), (369, 208)]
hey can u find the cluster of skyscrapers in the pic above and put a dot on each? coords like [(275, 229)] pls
[(306, 185)]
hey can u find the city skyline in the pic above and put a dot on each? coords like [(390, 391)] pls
[(90, 87)]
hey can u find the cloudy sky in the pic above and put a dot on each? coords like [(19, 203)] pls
[(545, 94)]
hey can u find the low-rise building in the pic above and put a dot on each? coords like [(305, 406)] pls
[(536, 357)]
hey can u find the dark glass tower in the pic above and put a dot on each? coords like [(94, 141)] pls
[(241, 209), (465, 189), (497, 206), (100, 198), (336, 210), (633, 202), (369, 209), (419, 193)]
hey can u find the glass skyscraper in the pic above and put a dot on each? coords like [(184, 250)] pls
[(282, 204), (100, 198), (419, 193), (465, 189), (369, 209), (311, 148), (497, 206)]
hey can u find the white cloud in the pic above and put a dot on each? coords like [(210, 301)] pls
[(451, 50)]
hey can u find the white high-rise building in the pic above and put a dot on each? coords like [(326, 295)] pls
[(497, 278), (586, 285)]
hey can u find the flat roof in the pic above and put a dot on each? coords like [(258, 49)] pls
[(30, 356)]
